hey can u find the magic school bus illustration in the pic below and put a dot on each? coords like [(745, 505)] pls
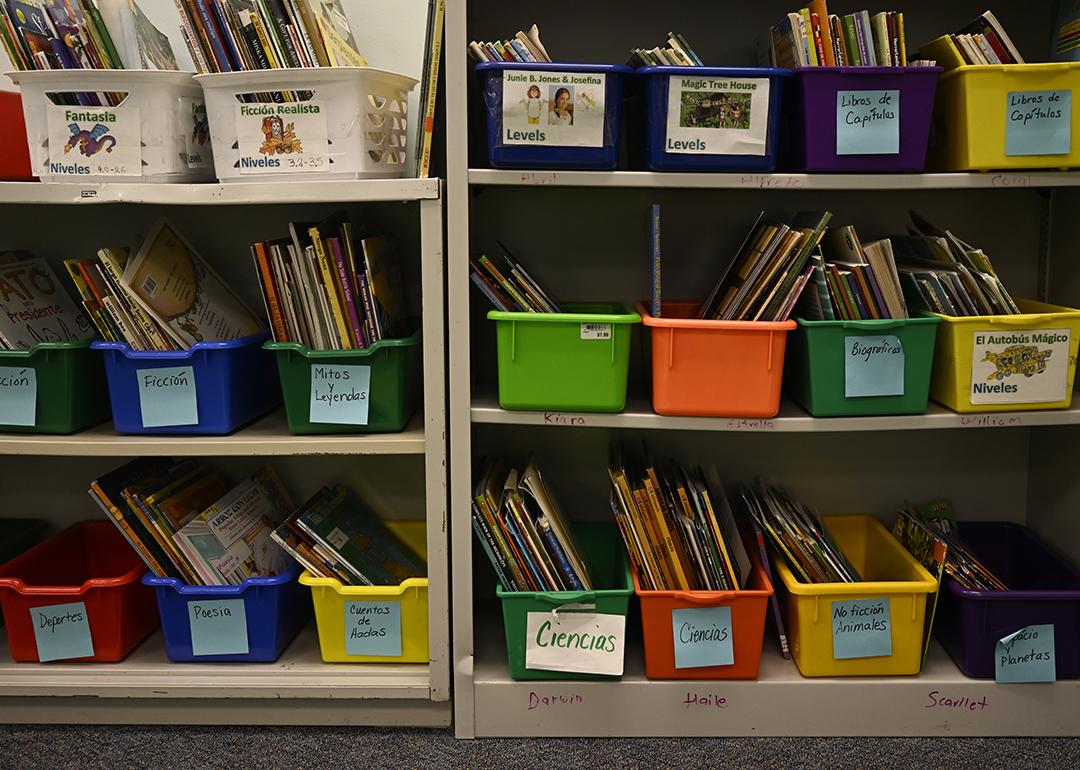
[(90, 142), (1027, 360)]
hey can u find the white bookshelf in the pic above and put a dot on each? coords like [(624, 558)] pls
[(584, 235), (403, 475)]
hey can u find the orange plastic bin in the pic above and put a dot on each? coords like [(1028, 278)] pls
[(715, 368), (748, 609)]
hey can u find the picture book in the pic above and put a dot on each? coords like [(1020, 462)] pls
[(523, 47), (981, 41), (509, 286), (35, 307), (674, 51), (930, 551), (155, 52)]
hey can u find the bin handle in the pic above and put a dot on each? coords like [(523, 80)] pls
[(709, 597), (887, 324), (671, 348), (768, 363), (566, 597), (513, 341), (1022, 320)]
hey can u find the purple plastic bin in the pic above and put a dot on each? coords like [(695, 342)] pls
[(1046, 590), (814, 136)]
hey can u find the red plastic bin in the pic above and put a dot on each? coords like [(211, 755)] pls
[(15, 157), (88, 563)]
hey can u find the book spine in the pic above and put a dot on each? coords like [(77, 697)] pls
[(560, 556), (493, 554), (806, 32), (225, 29), (523, 304), (431, 94), (900, 38), (875, 289), (869, 55), (254, 45), (894, 41), (331, 293), (190, 36), (483, 286), (667, 541), (281, 32), (265, 42), (851, 287), (866, 293), (369, 308), (819, 41), (852, 40), (657, 294), (837, 34), (212, 35), (345, 285), (492, 519), (822, 288), (270, 292), (117, 518), (312, 33)]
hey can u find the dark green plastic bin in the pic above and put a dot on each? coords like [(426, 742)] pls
[(816, 360), (602, 549), (392, 395), (71, 390)]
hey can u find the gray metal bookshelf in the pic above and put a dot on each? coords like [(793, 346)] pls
[(583, 234)]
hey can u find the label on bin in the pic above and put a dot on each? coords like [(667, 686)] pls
[(167, 396), (868, 122), (702, 637), (1026, 655), (578, 642), (196, 132), (873, 366), (861, 629), (1038, 122), (596, 331), (62, 631), (18, 395), (340, 395), (373, 628), (218, 627), (1019, 366), (717, 116), (560, 109), (85, 141), (286, 138)]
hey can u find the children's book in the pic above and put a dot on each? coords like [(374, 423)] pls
[(35, 307)]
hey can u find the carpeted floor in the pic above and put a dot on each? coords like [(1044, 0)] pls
[(162, 748)]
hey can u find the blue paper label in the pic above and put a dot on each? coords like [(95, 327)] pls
[(1026, 655), (873, 366), (861, 629), (218, 627), (703, 637), (167, 396), (868, 122), (18, 396), (1038, 122), (62, 631), (373, 628), (340, 394)]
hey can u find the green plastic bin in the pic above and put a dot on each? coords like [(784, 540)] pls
[(603, 552), (393, 369), (572, 361), (821, 352), (71, 393)]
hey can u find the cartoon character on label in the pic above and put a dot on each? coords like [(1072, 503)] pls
[(534, 105), (280, 137), (200, 129), (90, 142), (1027, 360)]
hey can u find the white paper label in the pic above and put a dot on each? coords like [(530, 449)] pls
[(564, 109), (86, 141), (578, 642), (717, 116), (1019, 366), (337, 538), (596, 331), (282, 138), (196, 132)]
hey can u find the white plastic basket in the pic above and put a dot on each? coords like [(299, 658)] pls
[(158, 132), (342, 123)]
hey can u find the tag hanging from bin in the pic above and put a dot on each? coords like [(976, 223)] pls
[(703, 637), (1026, 655), (94, 141), (873, 366), (559, 109), (18, 396), (340, 394), (373, 628), (1038, 122), (717, 116), (62, 632), (575, 642), (218, 627), (868, 122), (861, 629), (167, 396), (283, 138)]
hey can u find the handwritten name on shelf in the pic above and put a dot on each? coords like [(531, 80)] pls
[(750, 424), (965, 703), (704, 700), (990, 420), (558, 418), (553, 701), (772, 181)]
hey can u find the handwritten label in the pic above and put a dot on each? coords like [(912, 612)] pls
[(990, 420), (167, 396), (750, 424), (873, 366), (868, 122), (373, 628), (861, 629), (571, 699), (538, 177), (704, 700), (596, 331), (18, 396), (717, 116), (1038, 122), (1026, 655), (1010, 180), (557, 109), (62, 631), (578, 642), (702, 637), (557, 418), (218, 627), (772, 181), (965, 703), (285, 138), (1020, 366), (340, 394), (87, 141)]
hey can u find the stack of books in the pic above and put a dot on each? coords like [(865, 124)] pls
[(522, 47), (675, 51), (853, 281), (933, 525), (679, 533), (509, 286), (982, 41), (813, 37), (334, 535), (34, 306), (329, 289), (166, 297), (524, 533), (187, 523)]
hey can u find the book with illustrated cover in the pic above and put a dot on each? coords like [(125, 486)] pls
[(154, 49), (35, 307)]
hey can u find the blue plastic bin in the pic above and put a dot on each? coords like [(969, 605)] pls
[(694, 154), (234, 382), (604, 150), (275, 608)]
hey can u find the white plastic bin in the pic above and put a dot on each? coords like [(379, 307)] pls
[(158, 133), (352, 126)]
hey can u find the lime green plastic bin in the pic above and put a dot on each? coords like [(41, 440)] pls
[(393, 369), (824, 376), (604, 554), (572, 361), (70, 393)]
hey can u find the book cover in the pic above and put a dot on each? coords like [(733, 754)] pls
[(154, 47), (35, 307), (820, 9), (337, 34), (269, 292), (384, 276), (113, 263), (851, 39)]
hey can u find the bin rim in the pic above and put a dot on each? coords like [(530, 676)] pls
[(704, 598), (1043, 312), (1039, 67), (374, 592), (623, 317), (180, 355), (618, 69), (184, 589), (851, 70), (701, 323), (41, 346), (115, 76), (685, 69), (868, 323), (286, 76), (306, 352)]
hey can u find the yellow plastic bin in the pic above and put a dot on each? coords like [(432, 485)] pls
[(1007, 363), (820, 618), (377, 614), (1006, 116)]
